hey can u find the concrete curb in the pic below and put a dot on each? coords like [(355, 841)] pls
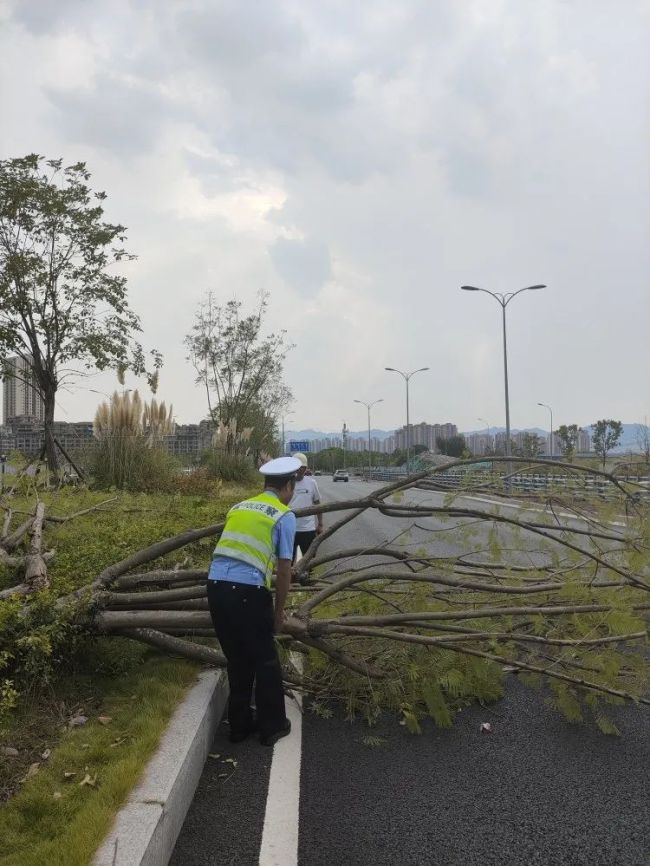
[(145, 830)]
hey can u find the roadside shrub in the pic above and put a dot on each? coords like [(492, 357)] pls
[(229, 466), (36, 641), (198, 482), (127, 462)]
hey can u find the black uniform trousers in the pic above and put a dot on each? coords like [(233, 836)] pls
[(303, 541), (242, 616)]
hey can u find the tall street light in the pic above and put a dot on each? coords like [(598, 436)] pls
[(284, 445), (504, 300), (546, 406), (487, 424), (406, 377), (369, 407)]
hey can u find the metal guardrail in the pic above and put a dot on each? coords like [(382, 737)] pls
[(528, 482)]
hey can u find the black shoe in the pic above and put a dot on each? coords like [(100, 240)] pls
[(271, 739), (240, 736)]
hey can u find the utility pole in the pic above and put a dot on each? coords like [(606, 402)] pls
[(550, 447), (369, 407)]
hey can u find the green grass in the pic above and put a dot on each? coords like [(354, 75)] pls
[(35, 827), (88, 544), (114, 677)]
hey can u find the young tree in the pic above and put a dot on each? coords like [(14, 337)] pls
[(531, 445), (568, 436), (58, 302), (454, 446), (240, 369), (606, 436), (643, 440)]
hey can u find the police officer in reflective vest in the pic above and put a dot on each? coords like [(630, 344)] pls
[(258, 537)]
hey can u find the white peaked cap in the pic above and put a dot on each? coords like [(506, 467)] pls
[(281, 466)]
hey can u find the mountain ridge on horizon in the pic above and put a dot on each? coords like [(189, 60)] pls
[(628, 439)]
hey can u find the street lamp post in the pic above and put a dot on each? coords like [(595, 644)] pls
[(406, 377), (546, 406), (504, 300), (284, 445), (369, 407), (487, 424)]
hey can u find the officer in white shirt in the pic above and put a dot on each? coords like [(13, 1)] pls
[(305, 495)]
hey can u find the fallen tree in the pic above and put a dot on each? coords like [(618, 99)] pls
[(465, 586)]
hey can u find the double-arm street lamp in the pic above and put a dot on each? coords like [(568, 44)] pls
[(504, 300), (550, 446), (406, 377), (369, 407)]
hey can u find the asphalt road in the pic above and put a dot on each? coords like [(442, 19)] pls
[(537, 790), (437, 536)]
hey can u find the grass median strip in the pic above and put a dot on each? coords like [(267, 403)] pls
[(62, 813)]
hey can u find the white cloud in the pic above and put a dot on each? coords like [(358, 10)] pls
[(360, 162)]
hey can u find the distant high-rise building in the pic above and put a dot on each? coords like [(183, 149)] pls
[(584, 441), (425, 434), (479, 443), (21, 398)]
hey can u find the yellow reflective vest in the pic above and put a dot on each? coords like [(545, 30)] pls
[(248, 533)]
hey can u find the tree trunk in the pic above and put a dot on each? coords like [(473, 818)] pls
[(51, 451)]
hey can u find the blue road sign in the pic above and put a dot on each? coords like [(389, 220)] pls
[(299, 445)]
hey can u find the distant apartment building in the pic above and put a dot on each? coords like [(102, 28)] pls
[(74, 435), (20, 396), (584, 441), (424, 434), (190, 440), (500, 442), (7, 440), (29, 434), (546, 445), (353, 443), (479, 443)]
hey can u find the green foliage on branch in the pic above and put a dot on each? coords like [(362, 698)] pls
[(565, 610)]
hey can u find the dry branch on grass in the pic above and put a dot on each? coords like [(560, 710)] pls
[(34, 562), (583, 580)]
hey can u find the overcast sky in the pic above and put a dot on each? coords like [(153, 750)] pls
[(361, 161)]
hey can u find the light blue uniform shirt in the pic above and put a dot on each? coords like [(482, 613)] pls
[(235, 571)]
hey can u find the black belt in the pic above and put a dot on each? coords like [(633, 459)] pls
[(241, 587)]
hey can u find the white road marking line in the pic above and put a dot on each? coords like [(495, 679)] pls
[(279, 846), (281, 820), (523, 507)]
